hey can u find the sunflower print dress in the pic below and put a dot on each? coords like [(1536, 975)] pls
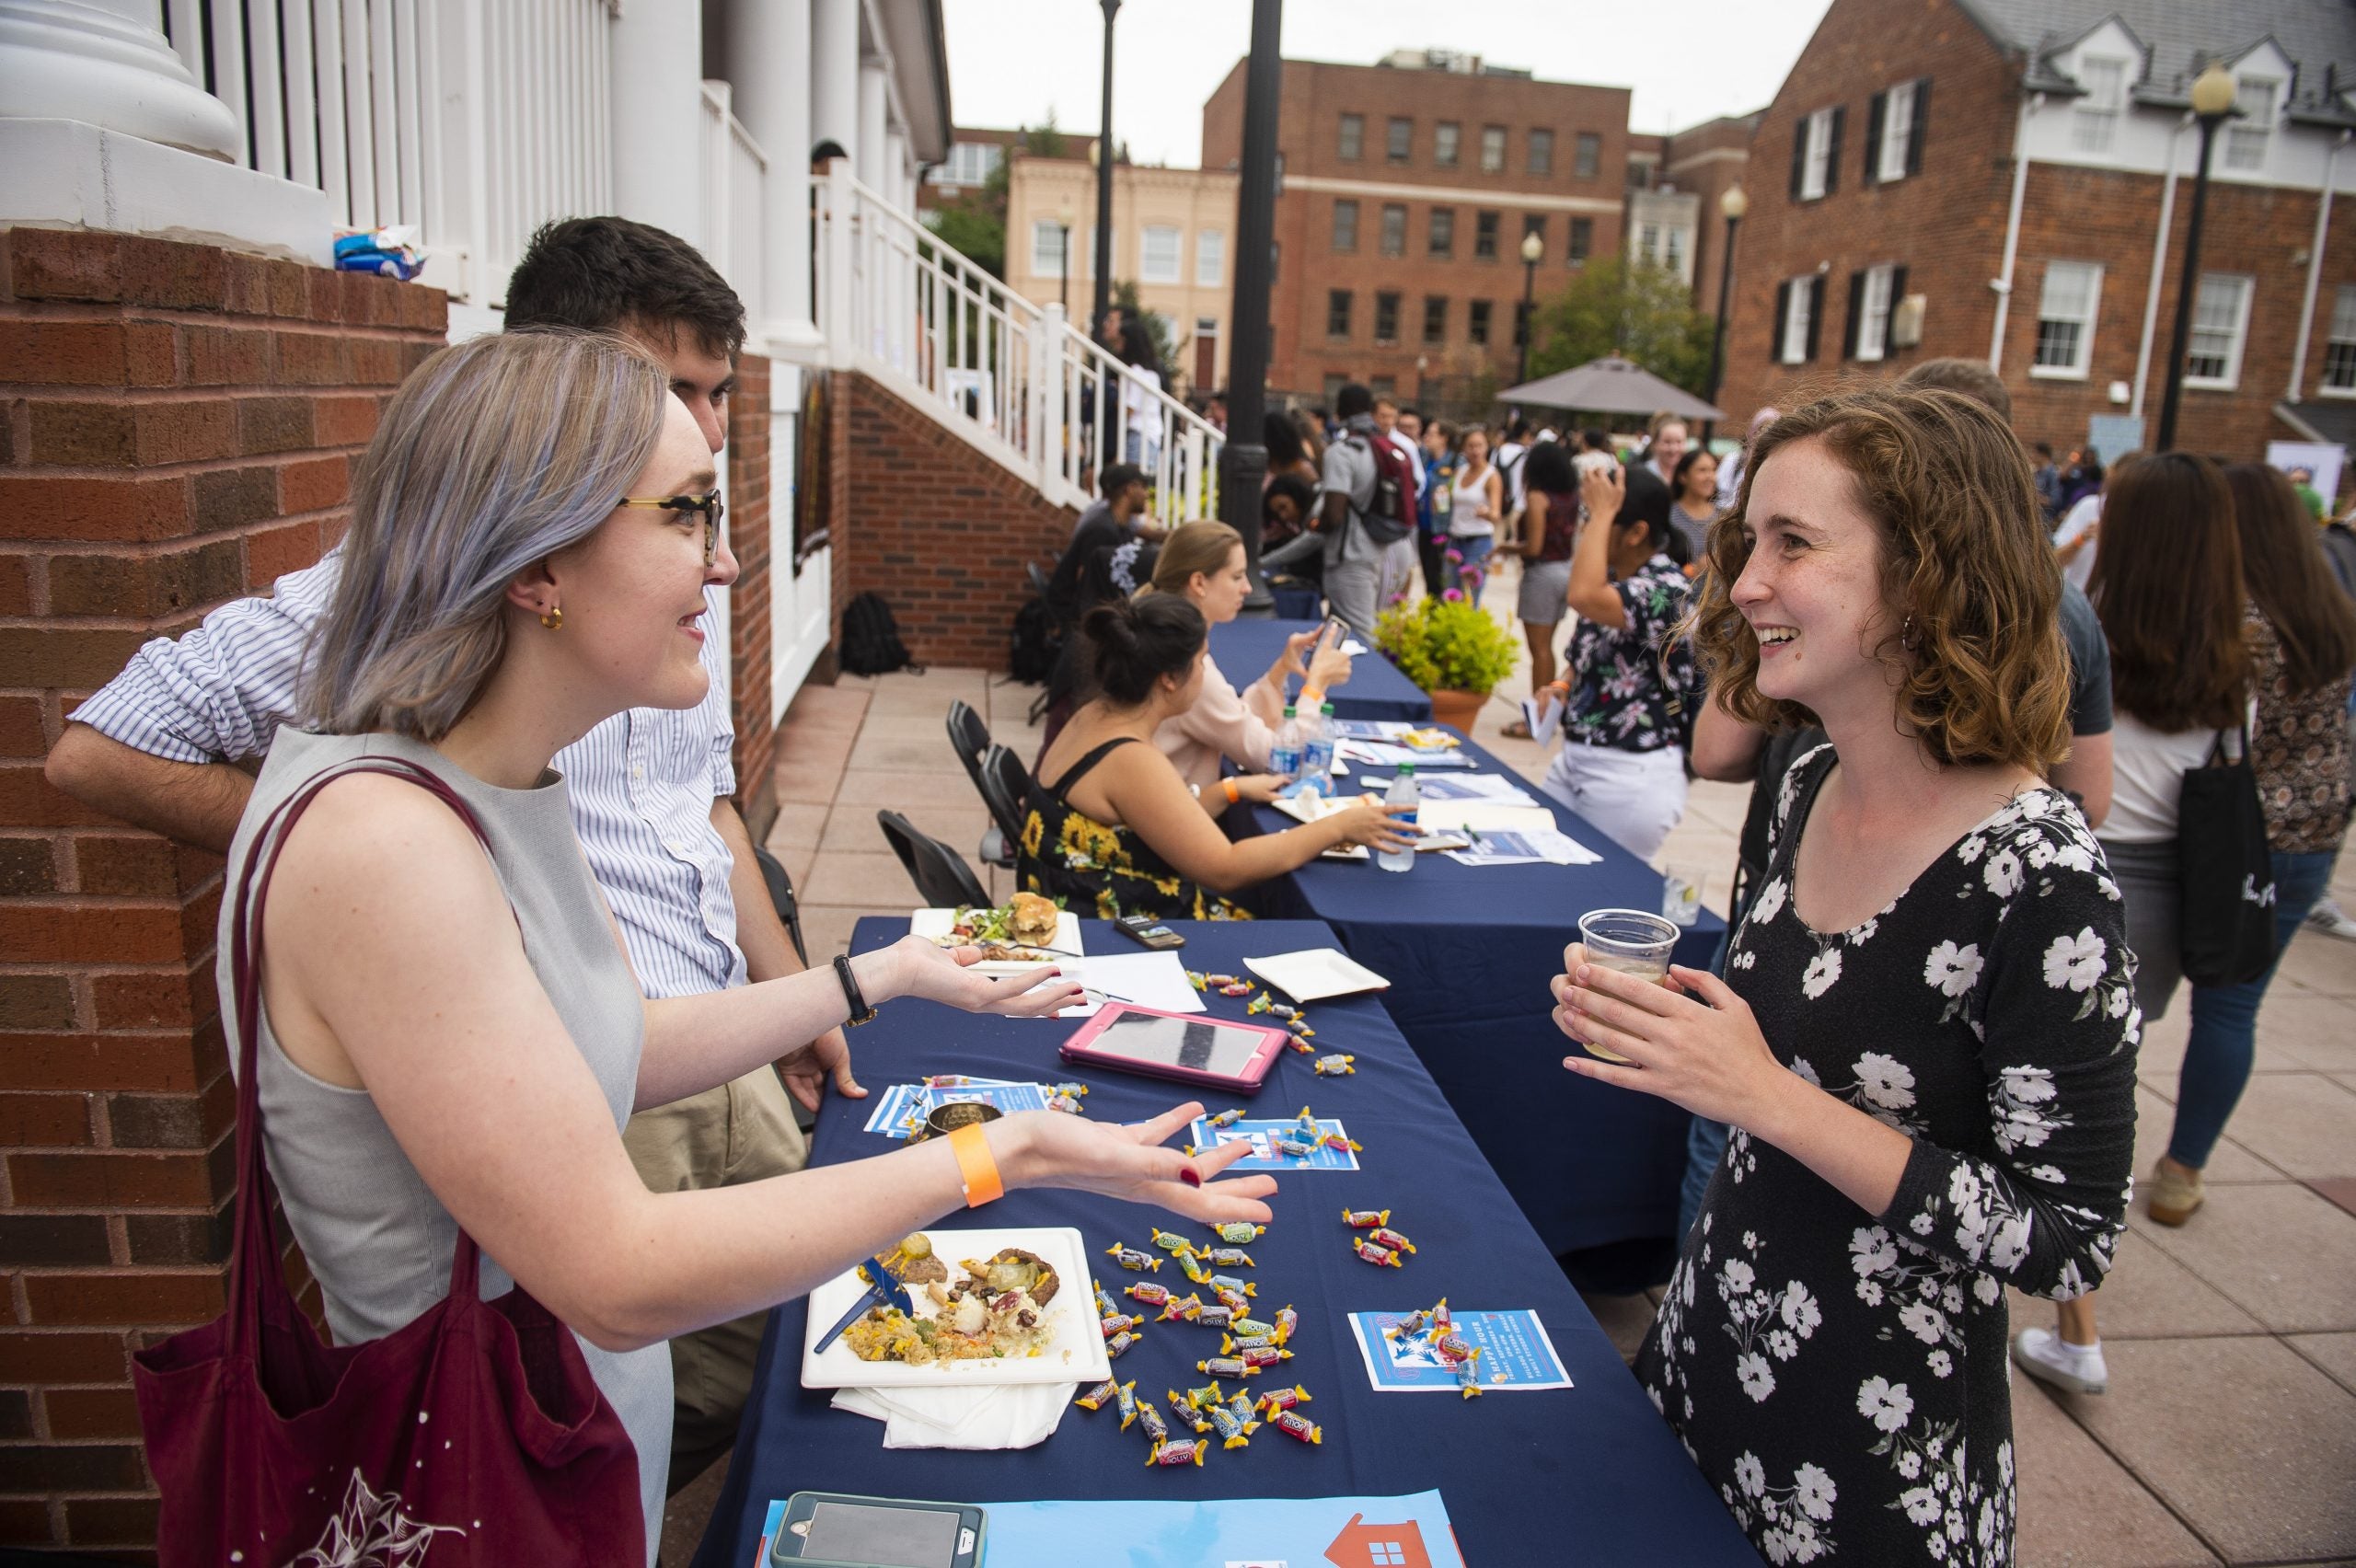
[(1081, 863), (1839, 1376)]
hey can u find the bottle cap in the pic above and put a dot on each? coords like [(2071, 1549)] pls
[(1327, 711), (1407, 770), (1288, 712)]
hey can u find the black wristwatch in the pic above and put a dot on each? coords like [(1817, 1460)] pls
[(859, 1011)]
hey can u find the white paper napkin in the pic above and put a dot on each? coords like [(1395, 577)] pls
[(1014, 1415)]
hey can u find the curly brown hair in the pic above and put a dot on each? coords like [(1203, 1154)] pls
[(1968, 576)]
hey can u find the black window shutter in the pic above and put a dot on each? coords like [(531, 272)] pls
[(1783, 318), (1832, 153), (1799, 154), (1856, 314), (1922, 125), (1875, 112), (1815, 314), (1896, 291)]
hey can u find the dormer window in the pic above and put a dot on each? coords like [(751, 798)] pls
[(2256, 102), (2094, 119)]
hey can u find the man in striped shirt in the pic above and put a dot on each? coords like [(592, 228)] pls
[(649, 788)]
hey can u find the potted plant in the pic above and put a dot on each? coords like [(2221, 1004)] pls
[(1451, 649)]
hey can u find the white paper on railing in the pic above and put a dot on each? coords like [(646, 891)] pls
[(1486, 816)]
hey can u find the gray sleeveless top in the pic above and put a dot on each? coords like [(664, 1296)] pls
[(378, 1240)]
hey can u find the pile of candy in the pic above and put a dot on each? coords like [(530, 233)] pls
[(1294, 1019), (1380, 1245), (1434, 1331)]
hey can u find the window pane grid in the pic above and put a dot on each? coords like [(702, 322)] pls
[(2065, 315), (1159, 255), (1493, 149), (1394, 229), (1345, 225), (1353, 138), (1210, 258), (2215, 350), (1444, 143), (1541, 152), (1588, 154), (1896, 131), (1386, 318)]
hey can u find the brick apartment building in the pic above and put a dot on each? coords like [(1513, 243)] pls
[(2011, 179), (1674, 183), (1406, 190)]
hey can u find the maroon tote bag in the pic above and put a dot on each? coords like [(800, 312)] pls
[(474, 1436)]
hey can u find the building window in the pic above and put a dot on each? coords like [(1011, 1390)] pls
[(2252, 132), (1352, 146), (1648, 244), (1047, 253), (1401, 142), (1816, 170), (1445, 137), (2094, 119), (1871, 294), (1534, 222), (2220, 323), (1337, 313), (1541, 152), (1582, 239), (1159, 256), (1476, 327), (1346, 226), (1435, 321), (2340, 353), (1333, 385), (1210, 258), (1672, 249), (1894, 113), (1484, 236), (1493, 149), (1394, 229), (2065, 319), (1795, 315), (1386, 318), (970, 163), (1443, 231), (1588, 157)]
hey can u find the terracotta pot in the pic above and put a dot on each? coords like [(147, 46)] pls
[(1458, 708)]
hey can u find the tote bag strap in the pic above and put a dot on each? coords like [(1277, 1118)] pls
[(255, 1275)]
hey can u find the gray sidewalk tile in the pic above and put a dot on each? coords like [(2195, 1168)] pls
[(798, 825), (2155, 1117), (2322, 964), (827, 929), (2079, 1508), (916, 756), (2301, 1122), (2147, 1295), (2336, 1353), (959, 826), (2279, 1251), (868, 788), (860, 880)]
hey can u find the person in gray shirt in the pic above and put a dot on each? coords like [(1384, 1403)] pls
[(1361, 576)]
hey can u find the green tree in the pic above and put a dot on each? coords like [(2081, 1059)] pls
[(970, 225), (1644, 313), (1157, 326)]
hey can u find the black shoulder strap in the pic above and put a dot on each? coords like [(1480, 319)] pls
[(1073, 774)]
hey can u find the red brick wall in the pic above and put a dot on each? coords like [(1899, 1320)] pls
[(749, 629), (176, 423), (937, 528)]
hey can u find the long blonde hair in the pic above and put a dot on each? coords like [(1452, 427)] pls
[(1192, 548)]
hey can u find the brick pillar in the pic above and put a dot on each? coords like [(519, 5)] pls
[(750, 656), (176, 425)]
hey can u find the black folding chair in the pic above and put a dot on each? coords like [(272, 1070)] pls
[(1006, 784), (1038, 577), (969, 737), (789, 908), (944, 880)]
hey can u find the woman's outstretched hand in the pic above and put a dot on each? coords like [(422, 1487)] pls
[(921, 968), (1132, 1162)]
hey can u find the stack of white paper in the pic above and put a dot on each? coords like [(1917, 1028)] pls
[(1545, 847)]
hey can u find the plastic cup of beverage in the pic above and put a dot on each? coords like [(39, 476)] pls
[(1680, 894), (1629, 941)]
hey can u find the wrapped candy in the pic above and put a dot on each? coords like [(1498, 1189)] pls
[(1260, 1004), (1168, 1242), (1267, 1355), (1197, 979), (1224, 1366), (1236, 988), (1239, 1231), (1234, 1301), (1286, 1322), (1118, 1345), (1383, 1236), (1100, 1396), (1307, 1123), (1303, 1046), (1292, 1148), (1178, 1306), (1228, 1118), (1235, 1431), (1224, 980), (1105, 1306), (1185, 1450), (1230, 1345), (1239, 1402), (1467, 1375), (1196, 1270), (1275, 1400), (1378, 1256), (1453, 1348), (1068, 1104), (1251, 1328), (1150, 1421), (1195, 1401), (1339, 1140), (1229, 1282), (1145, 1290), (1130, 1258), (1119, 1322), (1442, 1319), (1074, 1090), (1292, 1423), (1126, 1397), (1365, 1219), (1228, 1258), (1217, 1317), (1335, 1065), (1410, 1326), (1284, 1010)]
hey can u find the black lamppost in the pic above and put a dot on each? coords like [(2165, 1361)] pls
[(1532, 250), (1731, 206), (1244, 458), (1104, 183), (2213, 99)]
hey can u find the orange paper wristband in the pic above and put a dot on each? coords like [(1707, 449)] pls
[(976, 1166)]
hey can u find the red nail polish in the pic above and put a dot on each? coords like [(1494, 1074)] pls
[(1188, 1174)]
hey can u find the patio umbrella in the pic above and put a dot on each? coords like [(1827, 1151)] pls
[(1611, 386)]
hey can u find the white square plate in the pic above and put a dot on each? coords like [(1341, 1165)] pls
[(934, 924), (1074, 1354), (1314, 974)]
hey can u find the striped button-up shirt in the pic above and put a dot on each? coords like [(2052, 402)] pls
[(641, 784)]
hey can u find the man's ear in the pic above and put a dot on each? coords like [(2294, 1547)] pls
[(533, 589)]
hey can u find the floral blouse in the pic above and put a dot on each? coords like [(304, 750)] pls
[(1623, 695), (1840, 1377), (1090, 866), (2299, 751)]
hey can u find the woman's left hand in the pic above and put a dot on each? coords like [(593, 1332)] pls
[(1699, 1047), (1260, 788)]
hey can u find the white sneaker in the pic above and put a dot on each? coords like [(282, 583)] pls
[(2331, 920), (2048, 1357)]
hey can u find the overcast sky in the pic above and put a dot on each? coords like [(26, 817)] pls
[(1687, 61)]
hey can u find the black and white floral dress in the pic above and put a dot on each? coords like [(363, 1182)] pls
[(1839, 1376)]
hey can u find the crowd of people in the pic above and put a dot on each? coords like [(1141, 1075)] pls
[(1965, 886)]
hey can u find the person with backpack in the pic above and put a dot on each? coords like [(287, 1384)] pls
[(1369, 520)]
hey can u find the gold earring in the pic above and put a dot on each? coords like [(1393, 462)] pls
[(553, 619)]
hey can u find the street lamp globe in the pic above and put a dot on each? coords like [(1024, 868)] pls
[(2212, 93), (1532, 248), (1733, 204)]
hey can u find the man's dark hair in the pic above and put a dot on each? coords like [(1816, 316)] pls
[(829, 148), (1972, 378), (1120, 477), (1517, 429), (1548, 468), (1646, 503), (1405, 409), (1353, 400), (604, 274), (1594, 440)]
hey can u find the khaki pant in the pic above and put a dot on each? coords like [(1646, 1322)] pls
[(742, 1131)]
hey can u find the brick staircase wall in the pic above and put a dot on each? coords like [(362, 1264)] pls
[(750, 622)]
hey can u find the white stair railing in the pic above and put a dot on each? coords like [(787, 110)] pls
[(1015, 380)]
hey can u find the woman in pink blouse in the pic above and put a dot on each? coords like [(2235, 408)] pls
[(1203, 563)]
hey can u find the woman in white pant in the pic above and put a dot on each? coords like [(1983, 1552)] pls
[(1622, 766)]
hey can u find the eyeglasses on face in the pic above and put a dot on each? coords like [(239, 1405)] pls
[(708, 505)]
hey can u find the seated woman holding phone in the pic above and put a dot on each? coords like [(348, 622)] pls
[(1203, 563), (1112, 828)]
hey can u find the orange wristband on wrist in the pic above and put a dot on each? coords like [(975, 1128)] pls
[(976, 1166), (1234, 791)]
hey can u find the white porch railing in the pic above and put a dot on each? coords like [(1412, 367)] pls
[(734, 198), (1014, 379)]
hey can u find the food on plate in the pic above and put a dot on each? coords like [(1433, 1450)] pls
[(912, 1261), (1021, 930), (999, 1310)]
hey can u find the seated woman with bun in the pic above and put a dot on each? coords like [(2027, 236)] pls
[(1112, 828), (1203, 564)]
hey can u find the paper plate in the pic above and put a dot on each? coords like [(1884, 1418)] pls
[(1314, 974), (1075, 1354), (935, 923)]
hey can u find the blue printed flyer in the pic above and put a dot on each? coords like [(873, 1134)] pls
[(1265, 1156), (1516, 1354)]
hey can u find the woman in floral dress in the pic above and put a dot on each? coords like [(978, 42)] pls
[(1925, 1041)]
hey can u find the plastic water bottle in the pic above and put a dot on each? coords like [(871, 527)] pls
[(1404, 791), (1284, 759), (1316, 747)]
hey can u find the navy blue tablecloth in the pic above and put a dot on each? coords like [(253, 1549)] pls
[(1468, 952), (1590, 1471), (1376, 689)]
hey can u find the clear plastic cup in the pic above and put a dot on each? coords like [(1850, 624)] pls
[(1632, 942)]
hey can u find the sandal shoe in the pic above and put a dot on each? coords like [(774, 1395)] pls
[(2173, 1195)]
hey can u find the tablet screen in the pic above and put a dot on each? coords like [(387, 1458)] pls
[(893, 1538), (1204, 1045)]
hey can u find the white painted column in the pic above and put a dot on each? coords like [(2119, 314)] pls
[(108, 65), (770, 45), (657, 115), (874, 96), (833, 73)]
